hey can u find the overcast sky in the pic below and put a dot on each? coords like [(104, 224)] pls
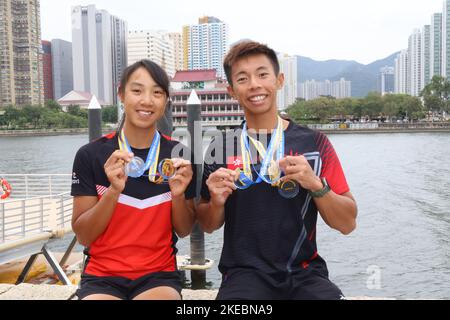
[(361, 30)]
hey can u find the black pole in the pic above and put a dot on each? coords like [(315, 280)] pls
[(194, 111), (95, 119), (165, 125)]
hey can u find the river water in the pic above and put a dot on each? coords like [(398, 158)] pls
[(401, 247)]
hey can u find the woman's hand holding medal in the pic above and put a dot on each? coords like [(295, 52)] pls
[(115, 169), (221, 185), (179, 174), (299, 170)]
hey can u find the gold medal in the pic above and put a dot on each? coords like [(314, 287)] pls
[(288, 189), (167, 169), (159, 180), (242, 182), (274, 173)]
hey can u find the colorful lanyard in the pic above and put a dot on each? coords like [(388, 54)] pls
[(276, 146), (151, 163)]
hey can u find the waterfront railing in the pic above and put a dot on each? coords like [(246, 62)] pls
[(25, 186), (39, 210), (20, 219)]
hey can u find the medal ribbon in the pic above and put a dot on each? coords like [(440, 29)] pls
[(276, 145), (151, 163)]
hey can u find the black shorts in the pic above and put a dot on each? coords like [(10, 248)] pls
[(127, 289), (247, 284)]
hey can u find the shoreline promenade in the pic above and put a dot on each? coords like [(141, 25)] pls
[(372, 128)]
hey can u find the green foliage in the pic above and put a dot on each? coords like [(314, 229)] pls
[(373, 106), (436, 95), (53, 105), (49, 117), (109, 114)]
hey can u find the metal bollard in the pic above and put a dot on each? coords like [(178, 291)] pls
[(194, 111)]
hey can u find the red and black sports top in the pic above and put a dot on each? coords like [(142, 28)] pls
[(264, 231), (139, 239)]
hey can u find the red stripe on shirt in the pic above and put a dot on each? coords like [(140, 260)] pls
[(135, 243)]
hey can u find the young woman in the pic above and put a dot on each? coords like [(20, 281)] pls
[(128, 205)]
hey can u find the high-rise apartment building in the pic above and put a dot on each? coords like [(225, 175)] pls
[(428, 55), (341, 89), (288, 94), (436, 45), (205, 45), (21, 78), (62, 64), (47, 69), (425, 72), (119, 52), (415, 63), (312, 89), (153, 45), (386, 80), (445, 67), (99, 51), (401, 85), (7, 83), (177, 41)]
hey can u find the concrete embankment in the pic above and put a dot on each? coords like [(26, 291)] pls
[(61, 132), (386, 130), (41, 133), (48, 132), (54, 292)]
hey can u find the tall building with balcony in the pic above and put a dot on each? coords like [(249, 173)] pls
[(21, 78), (99, 51), (62, 64), (153, 45), (205, 45)]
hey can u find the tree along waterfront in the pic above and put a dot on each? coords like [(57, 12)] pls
[(50, 116), (387, 108), (433, 104)]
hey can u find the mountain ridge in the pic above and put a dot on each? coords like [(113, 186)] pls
[(364, 78)]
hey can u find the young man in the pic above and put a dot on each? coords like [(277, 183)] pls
[(269, 249)]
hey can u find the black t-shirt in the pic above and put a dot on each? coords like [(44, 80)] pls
[(139, 238), (264, 231)]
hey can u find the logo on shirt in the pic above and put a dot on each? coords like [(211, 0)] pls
[(75, 179), (234, 162)]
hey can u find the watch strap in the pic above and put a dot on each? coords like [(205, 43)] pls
[(319, 194)]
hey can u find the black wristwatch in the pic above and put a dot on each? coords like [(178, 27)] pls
[(319, 194)]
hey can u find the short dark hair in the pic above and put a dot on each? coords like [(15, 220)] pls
[(247, 48), (156, 72)]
